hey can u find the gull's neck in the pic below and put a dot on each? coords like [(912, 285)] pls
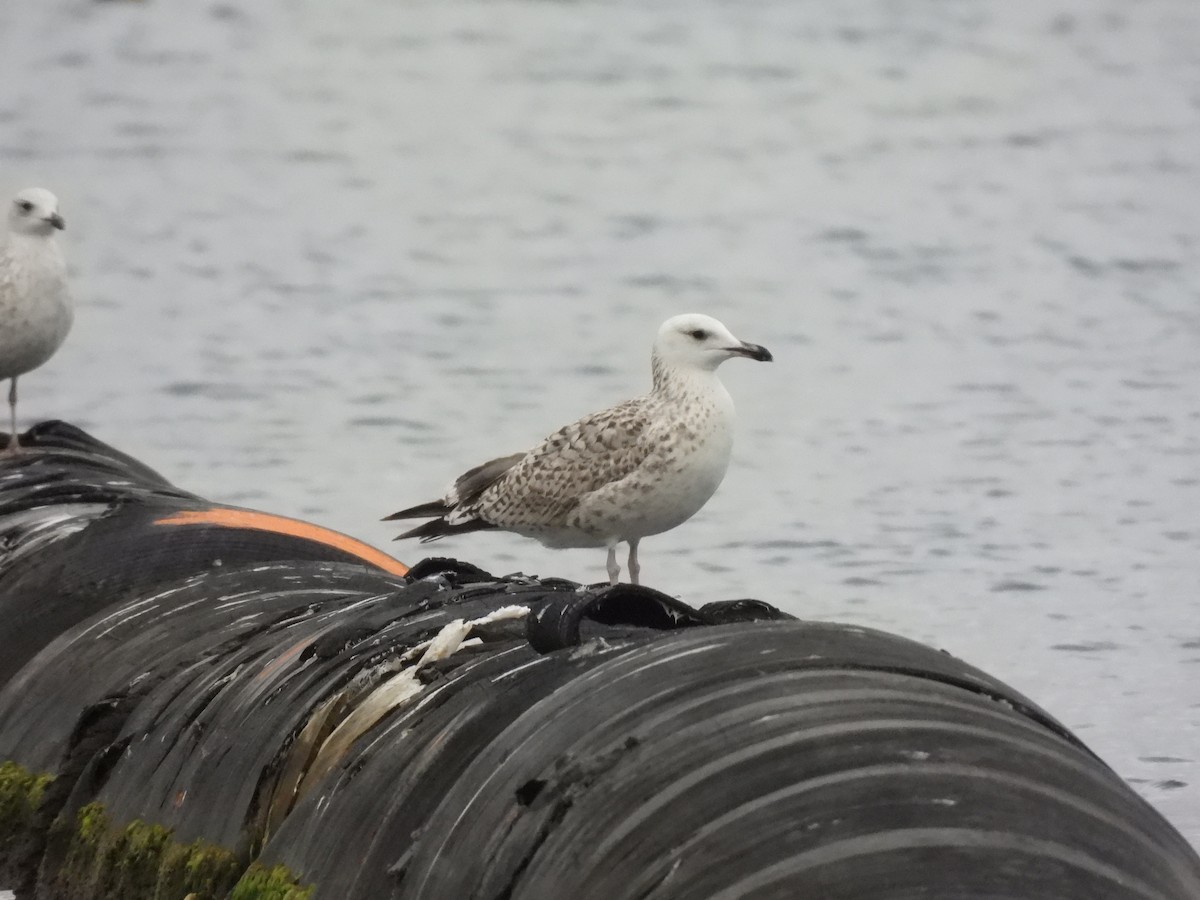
[(20, 243), (673, 382)]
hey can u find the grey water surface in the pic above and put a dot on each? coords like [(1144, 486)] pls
[(328, 255)]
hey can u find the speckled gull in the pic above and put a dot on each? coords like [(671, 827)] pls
[(639, 468), (35, 307)]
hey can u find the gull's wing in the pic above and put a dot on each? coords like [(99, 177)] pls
[(8, 265), (573, 462), (540, 487)]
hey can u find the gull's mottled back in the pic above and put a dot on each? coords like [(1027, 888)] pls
[(636, 469)]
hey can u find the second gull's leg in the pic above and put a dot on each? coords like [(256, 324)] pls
[(14, 445)]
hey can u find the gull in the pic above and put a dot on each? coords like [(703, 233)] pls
[(639, 468), (35, 307)]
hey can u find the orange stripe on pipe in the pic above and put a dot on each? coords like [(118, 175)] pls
[(258, 521)]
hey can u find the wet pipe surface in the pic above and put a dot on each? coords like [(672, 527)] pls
[(203, 702)]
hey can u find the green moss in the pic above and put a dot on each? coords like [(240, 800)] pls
[(21, 794), (172, 873), (140, 860), (132, 860), (91, 824), (275, 883), (203, 871), (81, 837), (103, 861)]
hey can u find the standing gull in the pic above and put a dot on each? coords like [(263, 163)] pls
[(35, 308), (639, 468)]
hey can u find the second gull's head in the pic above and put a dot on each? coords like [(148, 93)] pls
[(34, 211)]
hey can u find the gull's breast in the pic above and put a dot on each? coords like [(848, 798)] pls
[(35, 312), (687, 466)]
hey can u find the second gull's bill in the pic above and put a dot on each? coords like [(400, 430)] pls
[(35, 307), (636, 469)]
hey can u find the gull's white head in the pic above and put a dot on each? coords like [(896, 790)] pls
[(695, 341), (34, 211)]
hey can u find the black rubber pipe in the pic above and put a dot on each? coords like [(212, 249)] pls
[(205, 702)]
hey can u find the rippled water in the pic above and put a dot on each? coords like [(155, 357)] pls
[(329, 255)]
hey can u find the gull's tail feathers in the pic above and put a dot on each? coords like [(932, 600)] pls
[(465, 491), (421, 511), (440, 528)]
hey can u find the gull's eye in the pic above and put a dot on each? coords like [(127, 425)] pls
[(698, 333), (24, 206)]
